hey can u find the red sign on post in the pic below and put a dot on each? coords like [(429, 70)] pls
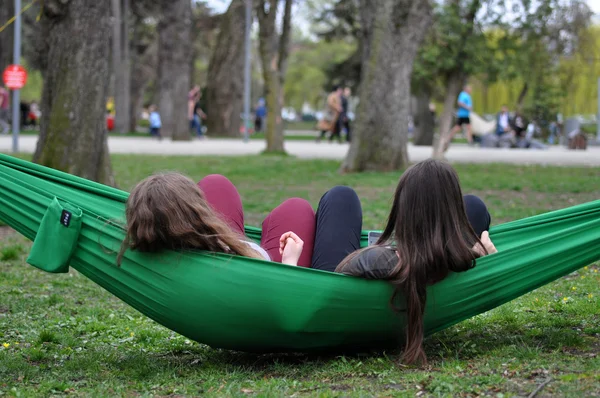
[(15, 77)]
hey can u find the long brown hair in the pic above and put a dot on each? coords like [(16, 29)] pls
[(432, 236), (169, 212)]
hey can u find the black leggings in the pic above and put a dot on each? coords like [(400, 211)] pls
[(339, 225)]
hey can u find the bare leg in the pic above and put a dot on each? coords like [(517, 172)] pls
[(469, 134), (453, 132)]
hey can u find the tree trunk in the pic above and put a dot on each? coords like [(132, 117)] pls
[(174, 49), (273, 55), (73, 135), (522, 96), (454, 84), (143, 70), (425, 121), (126, 63), (456, 78), (225, 82), (117, 63), (392, 32), (7, 11), (144, 48)]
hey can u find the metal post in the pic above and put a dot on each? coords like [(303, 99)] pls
[(247, 70), (598, 116), (16, 93)]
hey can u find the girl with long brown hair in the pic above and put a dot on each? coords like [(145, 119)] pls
[(432, 230), (171, 212)]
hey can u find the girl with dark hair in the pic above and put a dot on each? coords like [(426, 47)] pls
[(432, 230)]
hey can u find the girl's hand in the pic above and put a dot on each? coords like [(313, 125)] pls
[(290, 248), (487, 245)]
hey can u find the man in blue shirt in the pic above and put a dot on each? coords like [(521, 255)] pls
[(465, 106)]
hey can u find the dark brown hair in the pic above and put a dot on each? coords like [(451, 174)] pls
[(169, 212), (432, 235)]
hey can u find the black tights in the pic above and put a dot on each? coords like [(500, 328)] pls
[(339, 225)]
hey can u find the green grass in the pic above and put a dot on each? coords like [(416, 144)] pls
[(61, 334)]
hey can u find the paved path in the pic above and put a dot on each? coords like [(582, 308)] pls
[(308, 149)]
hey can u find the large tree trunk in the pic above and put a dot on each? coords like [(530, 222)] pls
[(7, 11), (174, 49), (424, 120), (392, 32), (273, 55), (454, 83), (73, 135), (121, 63), (225, 82)]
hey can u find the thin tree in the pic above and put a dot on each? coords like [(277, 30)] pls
[(392, 31), (73, 136), (121, 64), (274, 51)]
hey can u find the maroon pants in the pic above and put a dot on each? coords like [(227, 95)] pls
[(294, 215)]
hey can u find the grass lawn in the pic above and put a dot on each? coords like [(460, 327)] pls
[(61, 334)]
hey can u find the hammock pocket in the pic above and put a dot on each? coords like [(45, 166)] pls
[(56, 239), (253, 305)]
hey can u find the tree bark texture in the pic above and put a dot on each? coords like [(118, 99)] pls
[(73, 136), (7, 11), (121, 64), (225, 82), (424, 121), (273, 51), (392, 33), (174, 51)]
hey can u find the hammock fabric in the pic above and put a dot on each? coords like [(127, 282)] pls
[(252, 305)]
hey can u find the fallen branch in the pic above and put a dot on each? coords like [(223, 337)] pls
[(533, 394)]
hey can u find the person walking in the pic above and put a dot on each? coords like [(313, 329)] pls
[(155, 122), (259, 115), (345, 118), (332, 115), (199, 116), (465, 106), (4, 110)]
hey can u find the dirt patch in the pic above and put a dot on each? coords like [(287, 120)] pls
[(6, 231)]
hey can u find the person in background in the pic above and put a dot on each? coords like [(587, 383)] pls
[(24, 108), (503, 122), (199, 115), (4, 110), (345, 118), (155, 122), (192, 99), (259, 115), (465, 106), (519, 125), (332, 115), (34, 113)]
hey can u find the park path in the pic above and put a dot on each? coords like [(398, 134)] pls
[(458, 153)]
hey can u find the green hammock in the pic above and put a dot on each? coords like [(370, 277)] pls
[(252, 305)]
